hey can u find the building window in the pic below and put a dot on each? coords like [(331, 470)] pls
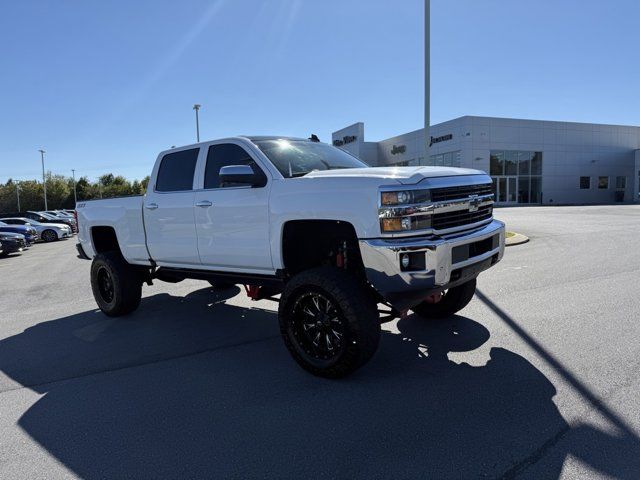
[(496, 166), (621, 183), (448, 159), (585, 183), (603, 183), (516, 176)]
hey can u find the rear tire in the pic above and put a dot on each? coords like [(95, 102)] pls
[(116, 285), (329, 322), (49, 236), (454, 300)]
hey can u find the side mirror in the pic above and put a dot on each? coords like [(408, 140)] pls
[(240, 175)]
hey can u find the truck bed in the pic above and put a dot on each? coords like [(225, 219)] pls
[(124, 215)]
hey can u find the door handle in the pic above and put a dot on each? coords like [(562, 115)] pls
[(204, 203), (151, 206)]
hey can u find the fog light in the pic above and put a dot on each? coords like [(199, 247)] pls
[(405, 260)]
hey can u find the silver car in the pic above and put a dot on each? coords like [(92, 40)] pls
[(48, 232)]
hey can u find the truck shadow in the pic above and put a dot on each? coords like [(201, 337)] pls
[(232, 403)]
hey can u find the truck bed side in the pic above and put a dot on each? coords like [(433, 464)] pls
[(119, 217)]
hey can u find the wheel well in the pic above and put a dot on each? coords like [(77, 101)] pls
[(104, 239), (313, 243)]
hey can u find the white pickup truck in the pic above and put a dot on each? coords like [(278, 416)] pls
[(306, 221)]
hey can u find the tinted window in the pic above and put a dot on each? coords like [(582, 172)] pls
[(176, 171), (224, 155)]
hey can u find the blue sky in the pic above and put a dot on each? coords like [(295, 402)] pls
[(103, 86)]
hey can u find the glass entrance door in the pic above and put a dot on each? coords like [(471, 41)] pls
[(506, 189)]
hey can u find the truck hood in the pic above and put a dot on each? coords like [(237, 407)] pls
[(404, 175)]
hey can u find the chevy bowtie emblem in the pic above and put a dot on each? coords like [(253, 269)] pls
[(474, 203)]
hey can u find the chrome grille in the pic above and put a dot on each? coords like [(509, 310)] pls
[(463, 191), (459, 218)]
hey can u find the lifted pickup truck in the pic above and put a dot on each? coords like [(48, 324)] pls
[(306, 221)]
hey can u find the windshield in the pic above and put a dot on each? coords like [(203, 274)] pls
[(295, 158)]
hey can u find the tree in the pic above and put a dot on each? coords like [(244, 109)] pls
[(60, 191)]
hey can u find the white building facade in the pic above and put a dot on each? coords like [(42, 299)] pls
[(530, 161)]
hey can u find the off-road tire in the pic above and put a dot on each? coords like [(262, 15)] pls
[(116, 285), (353, 306), (454, 300)]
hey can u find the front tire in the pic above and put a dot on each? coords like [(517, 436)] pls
[(454, 300), (329, 322), (116, 285)]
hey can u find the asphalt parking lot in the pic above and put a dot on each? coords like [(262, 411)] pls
[(537, 378)]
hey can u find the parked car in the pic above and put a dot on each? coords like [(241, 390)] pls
[(58, 213), (29, 232), (42, 218), (48, 218), (308, 221), (1, 249), (12, 243), (48, 232)]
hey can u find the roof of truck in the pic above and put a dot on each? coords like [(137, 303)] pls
[(255, 138)]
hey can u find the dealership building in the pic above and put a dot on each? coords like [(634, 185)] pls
[(530, 161)]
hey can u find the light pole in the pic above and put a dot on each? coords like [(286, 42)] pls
[(427, 75), (18, 195), (44, 180), (75, 195), (196, 107)]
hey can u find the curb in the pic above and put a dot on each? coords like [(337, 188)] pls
[(516, 239)]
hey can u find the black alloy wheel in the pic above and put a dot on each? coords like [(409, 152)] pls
[(329, 321), (318, 326), (105, 285), (116, 285)]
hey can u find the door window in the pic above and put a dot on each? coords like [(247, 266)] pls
[(223, 155), (176, 171)]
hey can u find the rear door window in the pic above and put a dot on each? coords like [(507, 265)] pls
[(176, 171)]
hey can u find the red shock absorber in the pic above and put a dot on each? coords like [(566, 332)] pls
[(253, 291)]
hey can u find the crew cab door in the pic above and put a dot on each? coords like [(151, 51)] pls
[(168, 210), (232, 221)]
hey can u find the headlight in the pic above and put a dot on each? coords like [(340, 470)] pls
[(405, 197), (405, 224), (404, 210)]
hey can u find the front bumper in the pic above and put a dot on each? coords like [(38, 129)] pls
[(450, 260), (13, 246)]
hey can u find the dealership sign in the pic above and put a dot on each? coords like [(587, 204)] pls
[(398, 149), (344, 140), (443, 138)]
